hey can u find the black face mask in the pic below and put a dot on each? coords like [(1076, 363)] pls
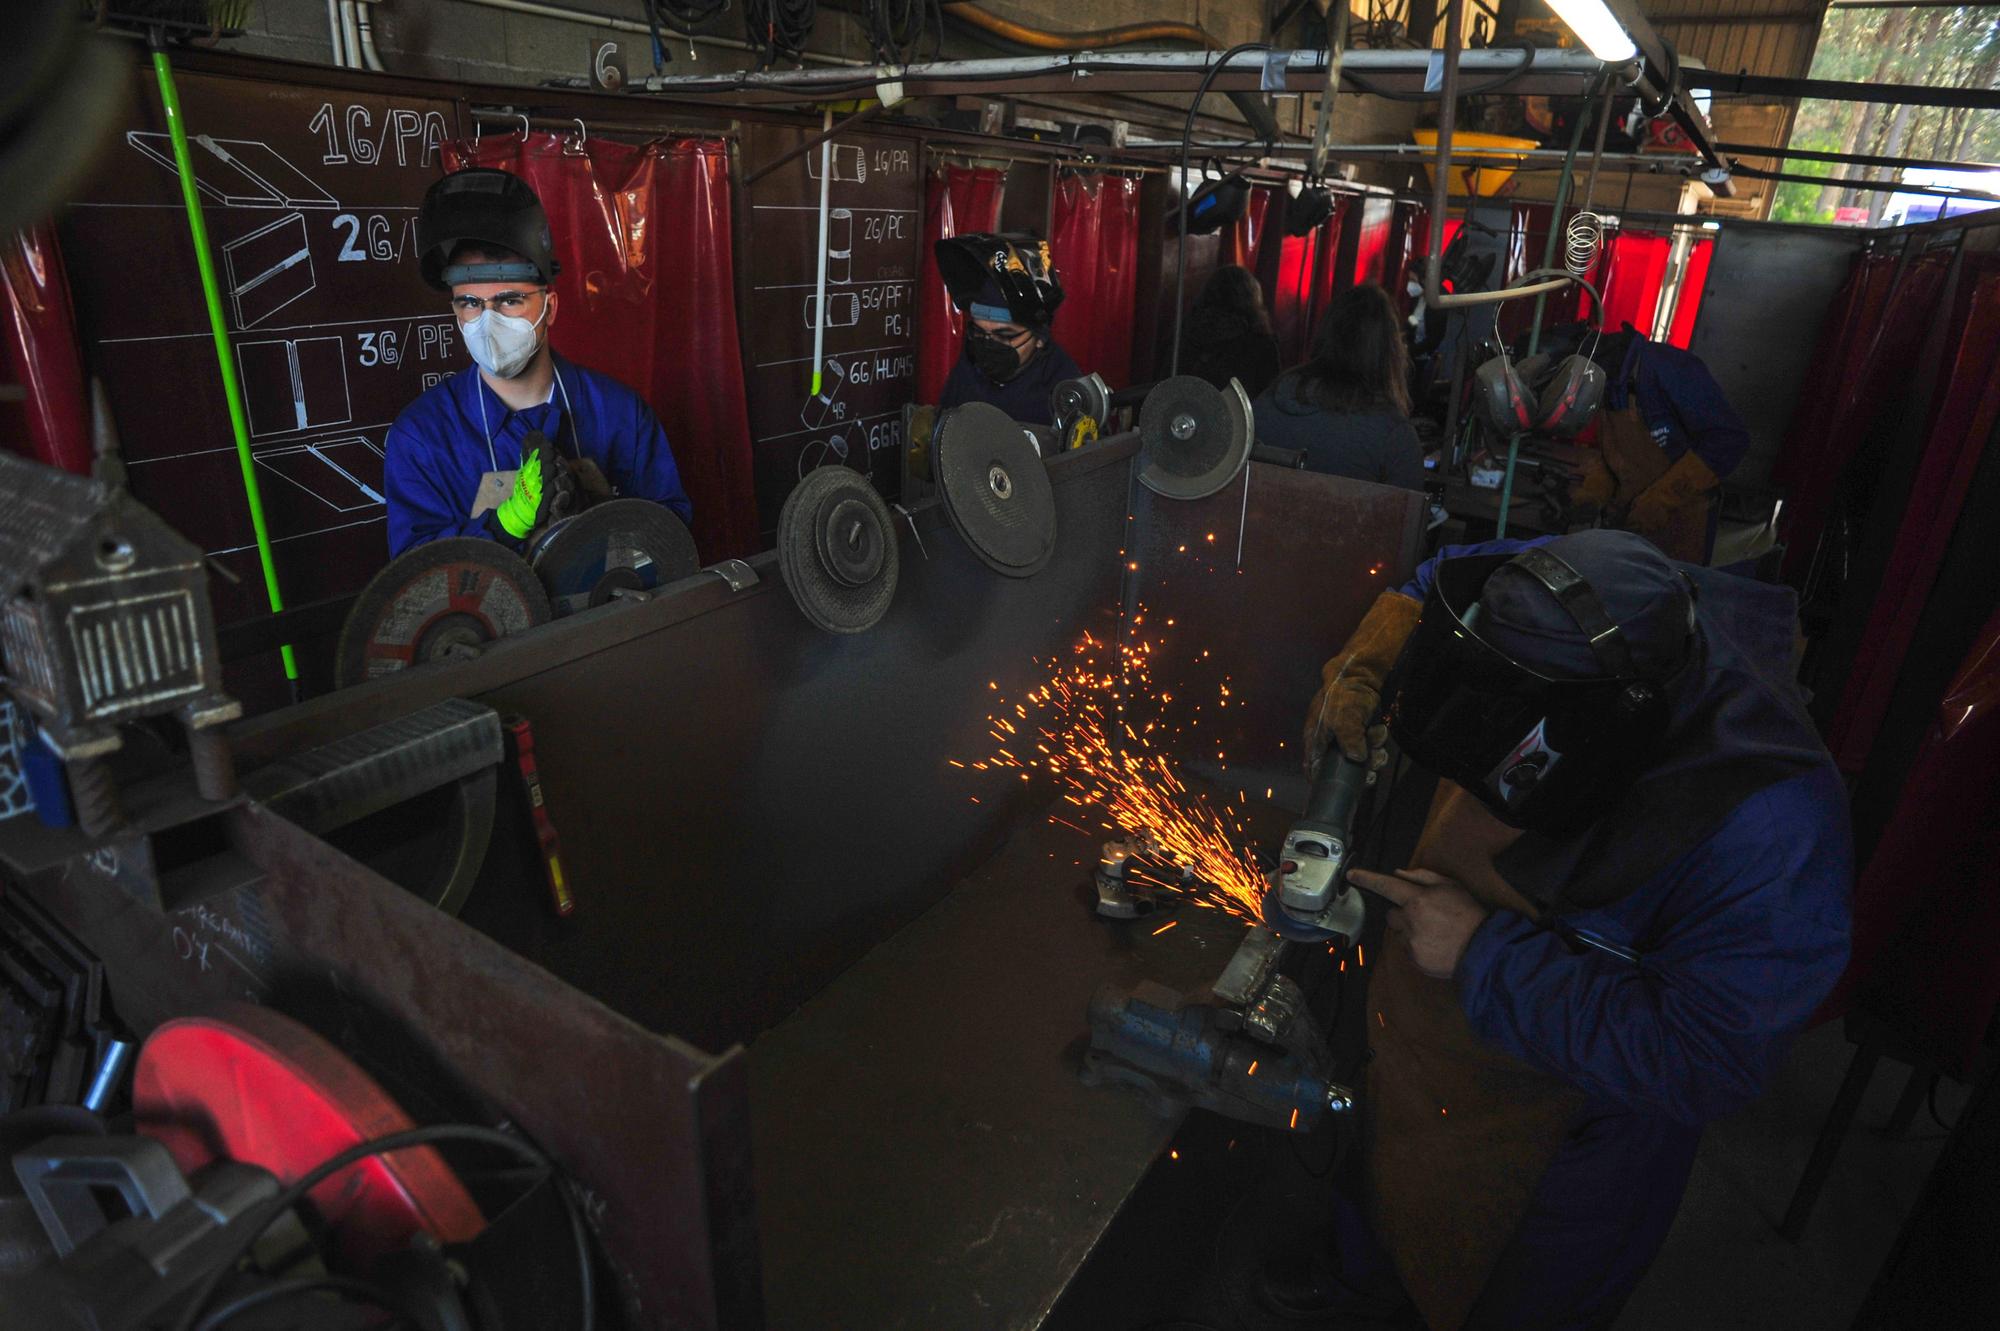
[(997, 360)]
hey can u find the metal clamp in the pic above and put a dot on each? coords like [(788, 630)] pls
[(739, 575)]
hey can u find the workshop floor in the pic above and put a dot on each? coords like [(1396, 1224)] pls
[(1183, 1252), (1724, 1265)]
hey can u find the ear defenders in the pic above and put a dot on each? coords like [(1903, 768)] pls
[(1536, 396)]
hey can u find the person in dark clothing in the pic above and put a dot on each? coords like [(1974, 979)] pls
[(1229, 334), (1630, 894), (1009, 291), (1349, 406)]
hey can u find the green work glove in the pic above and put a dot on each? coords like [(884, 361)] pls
[(527, 507)]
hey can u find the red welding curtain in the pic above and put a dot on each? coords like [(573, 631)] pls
[(1095, 245), (41, 340), (1637, 264), (959, 200), (1245, 235), (648, 293), (1969, 405), (1927, 910), (1305, 283), (1371, 241), (1687, 306), (1888, 318)]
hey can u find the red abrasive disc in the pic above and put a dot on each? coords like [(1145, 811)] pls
[(248, 1084)]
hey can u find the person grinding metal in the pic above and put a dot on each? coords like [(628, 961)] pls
[(1630, 892), (499, 452), (1009, 291)]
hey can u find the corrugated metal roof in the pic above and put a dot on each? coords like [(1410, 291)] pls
[(1774, 37)]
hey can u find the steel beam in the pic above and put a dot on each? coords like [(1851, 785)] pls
[(1664, 77), (1893, 94), (1404, 73)]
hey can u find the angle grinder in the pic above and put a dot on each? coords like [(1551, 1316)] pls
[(1309, 898)]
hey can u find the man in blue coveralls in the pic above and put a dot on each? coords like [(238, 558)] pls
[(1631, 891), (1009, 291), (482, 454)]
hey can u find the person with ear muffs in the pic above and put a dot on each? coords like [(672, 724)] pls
[(1009, 290), (1629, 893)]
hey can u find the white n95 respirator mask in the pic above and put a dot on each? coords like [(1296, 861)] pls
[(502, 344)]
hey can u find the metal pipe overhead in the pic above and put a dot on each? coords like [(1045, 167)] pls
[(1664, 79), (1893, 94), (1853, 159), (1391, 73)]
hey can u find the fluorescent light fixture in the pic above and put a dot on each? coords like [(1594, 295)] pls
[(1595, 27)]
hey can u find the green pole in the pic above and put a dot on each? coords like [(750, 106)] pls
[(1507, 487), (232, 389), (1549, 247)]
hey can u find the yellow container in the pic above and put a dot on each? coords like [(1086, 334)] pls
[(1481, 179)]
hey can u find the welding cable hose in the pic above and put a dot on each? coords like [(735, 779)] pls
[(1090, 39)]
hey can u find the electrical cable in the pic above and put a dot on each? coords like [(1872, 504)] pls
[(897, 28), (361, 1291), (780, 28), (400, 1141), (1187, 140)]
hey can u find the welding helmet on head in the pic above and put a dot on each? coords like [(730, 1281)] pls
[(1538, 695), (1002, 278), (491, 208)]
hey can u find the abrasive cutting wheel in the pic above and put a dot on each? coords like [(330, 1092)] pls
[(1193, 437), (439, 601), (837, 550), (996, 488)]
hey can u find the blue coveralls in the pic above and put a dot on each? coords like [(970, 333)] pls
[(1742, 936), (440, 446), (1024, 398), (1683, 407)]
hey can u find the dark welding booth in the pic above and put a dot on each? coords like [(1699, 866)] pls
[(802, 1017), (809, 1029)]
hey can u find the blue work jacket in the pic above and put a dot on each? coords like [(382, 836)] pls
[(1741, 937), (1025, 397), (442, 444), (1682, 405)]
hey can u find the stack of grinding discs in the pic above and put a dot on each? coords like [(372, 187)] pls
[(441, 600), (996, 488), (1193, 437), (837, 550), (618, 545)]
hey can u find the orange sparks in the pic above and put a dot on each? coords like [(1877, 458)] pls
[(973, 798), (1295, 1118), (954, 762), (1443, 1110), (1360, 957), (1173, 1155), (1253, 1069), (1211, 538), (1379, 1022), (1163, 928)]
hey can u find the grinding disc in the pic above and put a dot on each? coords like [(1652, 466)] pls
[(451, 594), (247, 1084), (837, 550), (996, 488), (1075, 399), (619, 545), (1193, 438)]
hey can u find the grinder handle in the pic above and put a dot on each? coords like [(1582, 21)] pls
[(1336, 793)]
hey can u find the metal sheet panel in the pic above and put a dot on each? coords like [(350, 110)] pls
[(454, 1027), (1768, 292), (748, 804)]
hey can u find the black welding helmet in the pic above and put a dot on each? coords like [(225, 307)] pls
[(1003, 278), (491, 208), (1540, 695)]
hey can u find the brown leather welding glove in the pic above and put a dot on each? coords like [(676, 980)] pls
[(1350, 692), (1687, 480), (1594, 484)]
